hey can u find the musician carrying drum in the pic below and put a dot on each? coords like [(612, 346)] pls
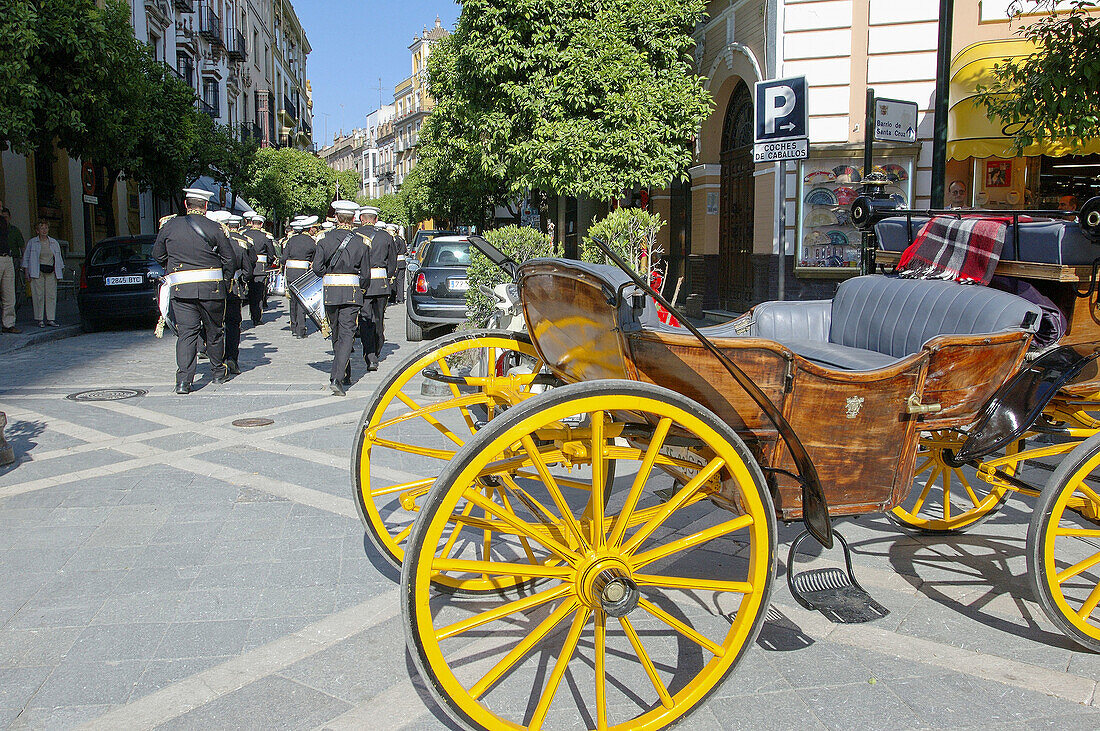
[(342, 259), (297, 257)]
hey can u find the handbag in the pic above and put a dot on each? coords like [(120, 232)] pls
[(45, 268)]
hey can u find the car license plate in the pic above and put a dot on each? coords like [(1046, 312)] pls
[(133, 279), (458, 285)]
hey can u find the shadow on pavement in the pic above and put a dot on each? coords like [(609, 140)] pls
[(21, 435)]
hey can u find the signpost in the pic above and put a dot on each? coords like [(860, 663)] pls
[(895, 120), (781, 134)]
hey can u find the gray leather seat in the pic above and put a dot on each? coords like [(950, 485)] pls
[(874, 321)]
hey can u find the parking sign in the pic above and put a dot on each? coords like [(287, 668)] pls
[(782, 120)]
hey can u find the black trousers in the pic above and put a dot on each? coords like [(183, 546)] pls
[(342, 321), (192, 317), (398, 296), (233, 319), (372, 327), (257, 288), (298, 322)]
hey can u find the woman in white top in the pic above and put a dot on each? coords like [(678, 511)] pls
[(42, 263)]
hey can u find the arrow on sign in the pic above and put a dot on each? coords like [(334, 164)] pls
[(789, 126)]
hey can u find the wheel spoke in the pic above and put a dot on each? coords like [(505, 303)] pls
[(927, 486), (439, 426), (442, 454), (713, 647), (647, 663), (969, 489), (1089, 606), (417, 487), (1083, 565), (601, 672), (446, 371), (947, 494), (567, 650), (513, 607), (403, 534), (927, 463), (647, 557), (501, 568), (640, 480), (521, 649), (539, 511), (683, 582), (1078, 532), (673, 504), (524, 528), (599, 535), (552, 487), (450, 545)]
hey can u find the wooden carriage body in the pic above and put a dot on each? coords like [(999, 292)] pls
[(859, 426)]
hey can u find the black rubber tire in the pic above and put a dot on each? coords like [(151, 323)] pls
[(1037, 535), (413, 332), (473, 447)]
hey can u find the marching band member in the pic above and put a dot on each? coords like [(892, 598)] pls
[(297, 258), (342, 258), (198, 261), (383, 267), (263, 248)]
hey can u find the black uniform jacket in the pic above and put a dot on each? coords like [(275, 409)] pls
[(300, 247), (180, 248), (262, 245), (401, 249), (354, 259), (242, 247), (383, 255)]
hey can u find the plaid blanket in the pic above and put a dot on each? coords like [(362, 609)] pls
[(961, 249)]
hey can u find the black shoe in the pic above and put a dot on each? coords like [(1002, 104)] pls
[(372, 366), (183, 388), (232, 367), (337, 389), (220, 378)]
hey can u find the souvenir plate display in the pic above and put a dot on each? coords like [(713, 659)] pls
[(826, 188)]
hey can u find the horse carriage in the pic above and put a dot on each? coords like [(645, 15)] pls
[(562, 560)]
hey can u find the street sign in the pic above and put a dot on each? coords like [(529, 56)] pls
[(895, 120), (782, 120), (91, 200)]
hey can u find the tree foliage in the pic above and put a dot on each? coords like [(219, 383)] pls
[(519, 242), (391, 207), (1050, 94), (287, 182), (629, 232), (571, 98)]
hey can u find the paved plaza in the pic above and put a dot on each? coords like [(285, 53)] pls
[(161, 567)]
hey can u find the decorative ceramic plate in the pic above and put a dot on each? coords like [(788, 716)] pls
[(816, 238), (1013, 197), (846, 174), (837, 238), (821, 197), (819, 176)]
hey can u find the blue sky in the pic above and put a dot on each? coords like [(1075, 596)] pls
[(355, 43)]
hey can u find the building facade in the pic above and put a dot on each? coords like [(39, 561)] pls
[(724, 234), (245, 60)]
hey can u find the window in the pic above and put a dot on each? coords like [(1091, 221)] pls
[(154, 44), (256, 48), (211, 94)]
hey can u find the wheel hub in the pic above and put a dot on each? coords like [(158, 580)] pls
[(604, 583)]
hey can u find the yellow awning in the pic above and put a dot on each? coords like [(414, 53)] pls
[(970, 132)]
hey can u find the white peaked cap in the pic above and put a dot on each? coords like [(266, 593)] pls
[(256, 217), (218, 216), (328, 224), (345, 206), (368, 210), (234, 220), (198, 194), (308, 221)]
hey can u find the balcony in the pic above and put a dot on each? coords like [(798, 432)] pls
[(289, 108), (184, 6), (206, 108), (210, 25), (306, 127), (234, 45)]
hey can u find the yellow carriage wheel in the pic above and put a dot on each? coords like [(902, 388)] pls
[(1063, 552), (644, 604), (946, 497), (405, 438)]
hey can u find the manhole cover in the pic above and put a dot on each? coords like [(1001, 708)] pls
[(106, 394), (259, 421)]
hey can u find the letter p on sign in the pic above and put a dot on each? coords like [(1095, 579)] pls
[(778, 103)]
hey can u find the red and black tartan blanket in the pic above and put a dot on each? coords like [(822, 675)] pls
[(961, 249)]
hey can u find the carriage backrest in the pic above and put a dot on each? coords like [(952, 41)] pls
[(898, 316)]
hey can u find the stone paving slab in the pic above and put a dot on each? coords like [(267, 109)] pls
[(204, 584)]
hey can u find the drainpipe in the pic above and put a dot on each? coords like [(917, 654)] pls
[(943, 73)]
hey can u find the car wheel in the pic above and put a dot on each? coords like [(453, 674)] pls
[(413, 332)]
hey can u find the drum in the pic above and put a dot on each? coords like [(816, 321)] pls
[(309, 290), (276, 283)]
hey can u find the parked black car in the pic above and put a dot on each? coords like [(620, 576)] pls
[(118, 282), (437, 288)]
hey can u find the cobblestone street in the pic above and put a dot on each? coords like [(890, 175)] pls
[(162, 567)]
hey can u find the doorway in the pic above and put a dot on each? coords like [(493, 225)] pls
[(738, 189)]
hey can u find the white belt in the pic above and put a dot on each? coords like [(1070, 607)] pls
[(341, 280), (379, 273), (261, 259), (401, 257), (297, 264), (191, 276)]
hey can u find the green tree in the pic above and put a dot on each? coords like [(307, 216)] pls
[(519, 242), (1050, 94), (19, 43), (571, 98), (286, 182), (629, 232), (391, 207)]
